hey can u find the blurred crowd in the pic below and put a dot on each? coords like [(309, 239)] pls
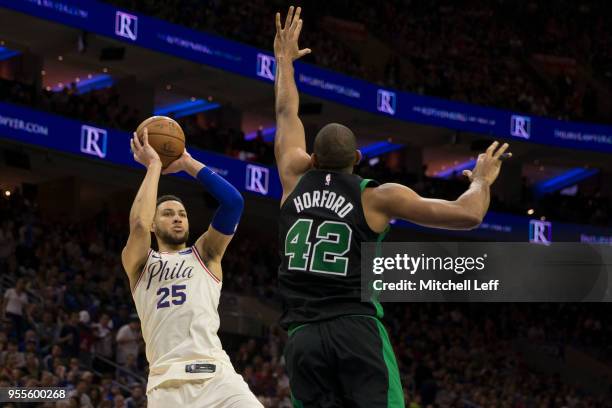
[(204, 132), (100, 106), (540, 57), (67, 320), (103, 107)]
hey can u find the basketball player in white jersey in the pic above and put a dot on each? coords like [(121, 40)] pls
[(176, 289)]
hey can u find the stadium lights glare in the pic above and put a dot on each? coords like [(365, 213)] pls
[(530, 211), (455, 169), (7, 193)]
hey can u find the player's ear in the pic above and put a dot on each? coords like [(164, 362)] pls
[(358, 157)]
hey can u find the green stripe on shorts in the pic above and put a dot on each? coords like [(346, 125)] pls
[(296, 402), (395, 394)]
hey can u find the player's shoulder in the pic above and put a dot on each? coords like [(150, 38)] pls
[(385, 194)]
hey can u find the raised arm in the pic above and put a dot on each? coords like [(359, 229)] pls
[(392, 200), (212, 244), (136, 250), (290, 141)]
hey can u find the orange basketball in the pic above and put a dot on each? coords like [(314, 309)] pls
[(165, 136)]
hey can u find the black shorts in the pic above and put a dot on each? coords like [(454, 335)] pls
[(345, 362)]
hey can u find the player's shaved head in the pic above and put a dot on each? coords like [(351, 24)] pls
[(334, 147), (167, 197)]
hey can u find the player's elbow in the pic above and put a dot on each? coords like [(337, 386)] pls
[(236, 201), (137, 224), (284, 110), (468, 221)]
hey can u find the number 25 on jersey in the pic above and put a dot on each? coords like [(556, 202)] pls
[(178, 296)]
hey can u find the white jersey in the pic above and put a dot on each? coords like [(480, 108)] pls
[(177, 298)]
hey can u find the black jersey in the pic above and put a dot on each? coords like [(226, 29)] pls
[(321, 227)]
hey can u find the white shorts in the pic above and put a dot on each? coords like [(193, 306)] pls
[(226, 389)]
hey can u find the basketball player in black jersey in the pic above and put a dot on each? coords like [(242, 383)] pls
[(338, 353)]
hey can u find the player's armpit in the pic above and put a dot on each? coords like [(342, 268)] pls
[(136, 251), (291, 167), (212, 245), (290, 149), (398, 201)]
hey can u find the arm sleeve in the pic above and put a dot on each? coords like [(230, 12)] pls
[(230, 201)]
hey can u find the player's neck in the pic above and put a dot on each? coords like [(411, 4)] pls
[(171, 248), (346, 170)]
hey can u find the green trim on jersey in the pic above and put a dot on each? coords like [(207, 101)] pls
[(395, 393), (296, 402), (295, 328), (374, 298), (364, 183), (379, 309)]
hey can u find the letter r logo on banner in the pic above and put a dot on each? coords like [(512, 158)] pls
[(540, 232), (126, 25), (93, 141), (266, 67), (386, 101), (257, 178), (520, 126)]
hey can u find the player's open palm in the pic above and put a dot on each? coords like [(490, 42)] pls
[(489, 163), (142, 150), (286, 39)]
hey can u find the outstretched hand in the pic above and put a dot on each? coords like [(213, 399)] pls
[(286, 38), (488, 164)]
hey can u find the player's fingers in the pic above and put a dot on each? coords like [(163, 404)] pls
[(145, 137), (303, 52), (136, 142), (298, 30), (278, 23), (296, 19), (501, 150), (467, 173), (289, 18), (492, 148)]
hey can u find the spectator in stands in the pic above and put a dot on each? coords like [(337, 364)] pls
[(14, 304), (69, 337), (128, 340), (137, 397), (103, 330), (81, 395), (47, 330)]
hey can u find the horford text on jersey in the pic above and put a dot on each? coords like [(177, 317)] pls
[(323, 199)]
